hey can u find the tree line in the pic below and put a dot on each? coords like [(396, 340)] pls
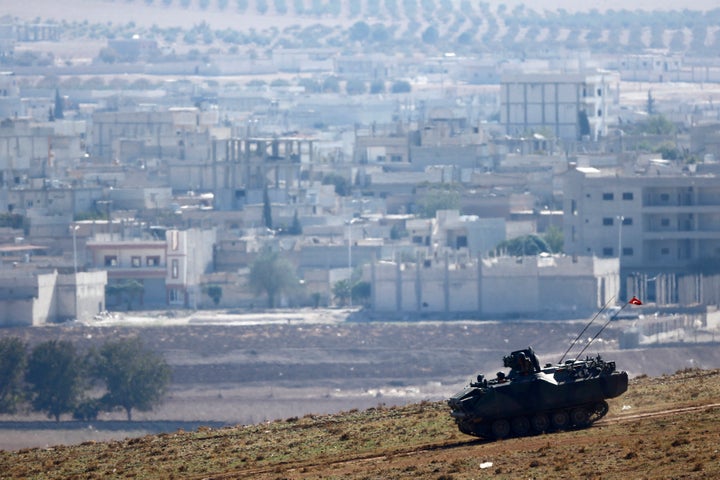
[(55, 378)]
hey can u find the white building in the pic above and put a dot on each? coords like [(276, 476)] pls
[(29, 298), (572, 106), (502, 287)]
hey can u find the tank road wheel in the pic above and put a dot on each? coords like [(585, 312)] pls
[(500, 428), (520, 426), (598, 411), (540, 422), (465, 428), (560, 419), (580, 417)]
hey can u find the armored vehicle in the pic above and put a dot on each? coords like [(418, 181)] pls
[(530, 399)]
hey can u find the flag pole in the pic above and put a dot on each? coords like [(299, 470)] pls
[(632, 301), (584, 329)]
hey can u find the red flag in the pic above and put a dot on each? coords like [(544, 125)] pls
[(635, 301)]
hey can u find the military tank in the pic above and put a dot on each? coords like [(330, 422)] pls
[(531, 400)]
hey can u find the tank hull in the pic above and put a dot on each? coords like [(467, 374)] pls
[(557, 397)]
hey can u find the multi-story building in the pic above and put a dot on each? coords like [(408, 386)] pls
[(10, 102), (168, 265), (242, 167), (8, 36), (655, 222), (155, 133), (571, 106)]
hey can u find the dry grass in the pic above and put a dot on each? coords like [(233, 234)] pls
[(663, 427)]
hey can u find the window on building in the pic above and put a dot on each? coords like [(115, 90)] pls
[(665, 222), (664, 251), (608, 196), (607, 221), (628, 251), (627, 196), (175, 268), (152, 261), (627, 221), (608, 252), (111, 260), (665, 197), (174, 295), (136, 262), (174, 239), (599, 92)]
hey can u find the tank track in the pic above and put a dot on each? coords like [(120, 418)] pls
[(572, 418)]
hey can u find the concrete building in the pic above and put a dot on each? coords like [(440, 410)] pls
[(655, 222), (25, 152), (240, 169), (49, 200), (8, 36), (662, 66), (29, 298), (155, 133), (705, 141), (542, 286), (364, 67), (166, 267), (571, 106), (10, 101), (134, 49)]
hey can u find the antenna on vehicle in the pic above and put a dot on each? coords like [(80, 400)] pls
[(586, 327), (632, 301)]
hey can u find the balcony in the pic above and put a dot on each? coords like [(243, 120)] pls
[(681, 234), (159, 271)]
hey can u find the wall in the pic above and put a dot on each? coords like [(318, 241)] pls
[(497, 288), (80, 296), (45, 305)]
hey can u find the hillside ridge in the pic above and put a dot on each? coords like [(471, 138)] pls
[(660, 428)]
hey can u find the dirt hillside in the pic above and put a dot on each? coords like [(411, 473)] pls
[(663, 427)]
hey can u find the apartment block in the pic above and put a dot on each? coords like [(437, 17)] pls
[(654, 222), (571, 106)]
